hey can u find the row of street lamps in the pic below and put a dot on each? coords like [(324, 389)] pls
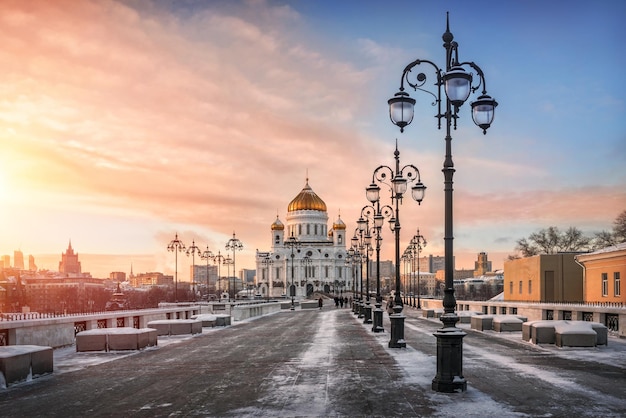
[(176, 246), (457, 85)]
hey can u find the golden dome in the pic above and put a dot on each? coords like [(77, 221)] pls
[(307, 200), (277, 225), (339, 224)]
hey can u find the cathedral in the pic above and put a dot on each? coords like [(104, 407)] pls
[(305, 256)]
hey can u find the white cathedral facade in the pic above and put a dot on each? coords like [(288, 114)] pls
[(305, 256)]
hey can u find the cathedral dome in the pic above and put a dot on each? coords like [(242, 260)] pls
[(277, 225), (307, 200)]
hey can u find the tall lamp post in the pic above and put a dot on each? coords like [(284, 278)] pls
[(458, 85), (207, 255), (176, 246), (399, 183), (193, 250), (306, 262), (405, 257), (219, 259), (378, 215), (268, 262), (418, 242), (357, 244), (235, 245), (228, 262), (366, 234), (293, 243), (354, 257)]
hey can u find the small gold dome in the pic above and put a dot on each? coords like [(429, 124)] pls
[(307, 200), (339, 224), (277, 225)]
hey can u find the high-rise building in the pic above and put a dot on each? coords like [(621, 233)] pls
[(18, 260), (31, 263), (69, 263)]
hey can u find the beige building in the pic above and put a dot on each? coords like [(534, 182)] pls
[(544, 278)]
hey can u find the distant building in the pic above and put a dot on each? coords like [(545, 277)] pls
[(117, 276), (69, 263), (151, 279), (6, 261), (544, 278), (433, 263), (31, 263), (482, 265), (603, 272), (18, 260)]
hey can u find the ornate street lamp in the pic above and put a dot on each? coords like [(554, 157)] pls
[(176, 246), (235, 245), (268, 262), (457, 85), (405, 257), (418, 242), (193, 250), (399, 184), (378, 215), (219, 259), (228, 262), (207, 255), (354, 257), (306, 262), (366, 232), (293, 243)]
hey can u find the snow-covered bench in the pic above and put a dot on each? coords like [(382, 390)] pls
[(208, 320), (113, 339), (545, 332), (574, 334), (507, 323), (21, 362), (222, 320), (465, 317), (482, 322), (177, 326)]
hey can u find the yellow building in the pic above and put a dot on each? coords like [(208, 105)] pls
[(543, 278), (603, 271)]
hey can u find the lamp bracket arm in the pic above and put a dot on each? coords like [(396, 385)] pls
[(413, 172), (368, 212), (382, 174), (481, 74), (421, 78)]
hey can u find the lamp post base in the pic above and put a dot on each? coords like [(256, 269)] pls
[(397, 331), (368, 313), (378, 319), (449, 376)]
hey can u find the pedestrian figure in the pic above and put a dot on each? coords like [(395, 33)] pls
[(345, 300), (336, 302), (320, 303), (390, 305), (341, 302)]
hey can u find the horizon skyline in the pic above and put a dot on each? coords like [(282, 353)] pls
[(123, 123)]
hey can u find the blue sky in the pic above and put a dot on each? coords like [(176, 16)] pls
[(123, 123)]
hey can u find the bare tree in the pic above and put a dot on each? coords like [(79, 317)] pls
[(605, 239), (551, 241), (619, 227)]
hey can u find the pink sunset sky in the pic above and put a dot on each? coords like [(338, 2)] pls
[(123, 123)]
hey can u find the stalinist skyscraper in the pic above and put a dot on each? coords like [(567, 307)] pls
[(69, 263)]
